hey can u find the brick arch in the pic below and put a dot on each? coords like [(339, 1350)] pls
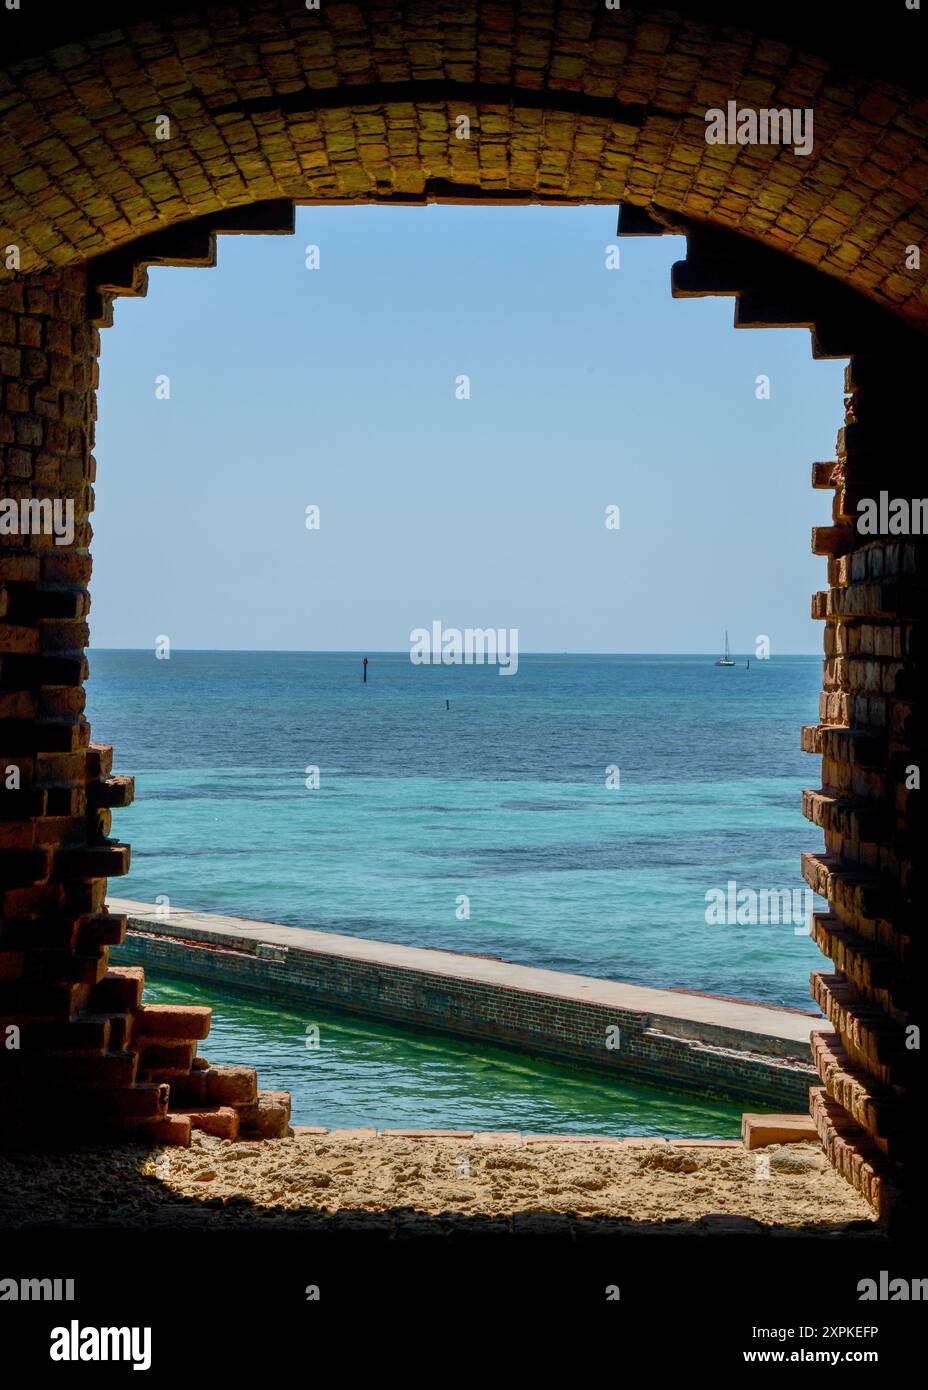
[(272, 104), (358, 102)]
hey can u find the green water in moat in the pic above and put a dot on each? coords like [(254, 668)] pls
[(365, 1073)]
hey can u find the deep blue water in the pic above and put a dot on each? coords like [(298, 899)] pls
[(501, 798)]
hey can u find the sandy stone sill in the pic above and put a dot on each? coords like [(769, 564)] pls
[(338, 1178), (502, 1175)]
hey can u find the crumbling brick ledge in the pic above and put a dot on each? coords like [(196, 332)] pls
[(686, 1041)]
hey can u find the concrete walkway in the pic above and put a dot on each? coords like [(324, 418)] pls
[(696, 1017)]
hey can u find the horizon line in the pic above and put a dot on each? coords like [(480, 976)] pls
[(386, 651)]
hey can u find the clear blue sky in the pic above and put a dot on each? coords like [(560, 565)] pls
[(336, 387)]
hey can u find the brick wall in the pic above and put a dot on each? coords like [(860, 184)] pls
[(872, 740), (77, 1046), (563, 1029), (359, 101)]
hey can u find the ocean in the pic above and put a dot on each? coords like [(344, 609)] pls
[(573, 816)]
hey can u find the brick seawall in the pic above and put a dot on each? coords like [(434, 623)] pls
[(692, 1042)]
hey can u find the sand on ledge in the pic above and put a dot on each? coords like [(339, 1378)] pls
[(400, 1184), (497, 1176)]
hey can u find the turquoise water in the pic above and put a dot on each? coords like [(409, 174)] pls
[(448, 791), (363, 1073), (501, 799)]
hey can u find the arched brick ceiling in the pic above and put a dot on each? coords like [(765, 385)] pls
[(567, 102)]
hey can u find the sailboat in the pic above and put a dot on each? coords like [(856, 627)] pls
[(727, 659)]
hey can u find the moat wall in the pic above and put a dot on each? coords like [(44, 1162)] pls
[(691, 1042)]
